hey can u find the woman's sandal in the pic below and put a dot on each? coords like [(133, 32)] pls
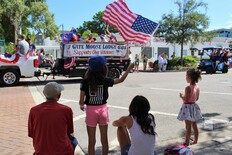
[(185, 144), (192, 142)]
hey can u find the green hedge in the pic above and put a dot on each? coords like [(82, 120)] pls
[(175, 63)]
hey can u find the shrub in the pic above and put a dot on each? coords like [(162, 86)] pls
[(9, 48), (189, 61), (175, 63)]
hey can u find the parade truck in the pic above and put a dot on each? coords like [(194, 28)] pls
[(75, 56), (73, 62)]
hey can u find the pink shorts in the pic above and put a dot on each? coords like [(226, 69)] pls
[(97, 115)]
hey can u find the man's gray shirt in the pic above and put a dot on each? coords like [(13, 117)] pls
[(23, 46)]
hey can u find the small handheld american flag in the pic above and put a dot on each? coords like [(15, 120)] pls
[(69, 62)]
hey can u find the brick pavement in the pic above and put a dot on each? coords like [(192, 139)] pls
[(15, 103)]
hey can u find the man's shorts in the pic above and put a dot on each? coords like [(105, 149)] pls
[(97, 115)]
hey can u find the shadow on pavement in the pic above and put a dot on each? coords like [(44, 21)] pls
[(210, 114), (230, 119), (40, 83)]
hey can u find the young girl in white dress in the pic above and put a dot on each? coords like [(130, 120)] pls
[(190, 111)]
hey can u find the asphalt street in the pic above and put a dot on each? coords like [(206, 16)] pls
[(162, 90)]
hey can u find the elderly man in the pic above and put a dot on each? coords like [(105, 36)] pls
[(50, 124), (160, 61)]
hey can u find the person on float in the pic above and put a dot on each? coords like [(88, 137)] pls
[(22, 46)]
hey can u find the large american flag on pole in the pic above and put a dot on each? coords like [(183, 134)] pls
[(132, 27)]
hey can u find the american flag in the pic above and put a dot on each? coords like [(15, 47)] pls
[(131, 26), (69, 62)]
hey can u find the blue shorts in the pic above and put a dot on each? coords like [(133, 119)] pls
[(125, 149), (73, 141)]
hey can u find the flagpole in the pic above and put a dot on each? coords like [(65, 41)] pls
[(142, 48), (155, 30)]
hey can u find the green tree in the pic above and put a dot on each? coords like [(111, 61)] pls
[(12, 15), (205, 37), (1, 31), (41, 20), (189, 25), (96, 25), (25, 14), (230, 44), (29, 2), (86, 33)]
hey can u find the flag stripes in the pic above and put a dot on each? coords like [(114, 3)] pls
[(69, 62), (119, 15)]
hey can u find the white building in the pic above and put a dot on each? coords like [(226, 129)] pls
[(156, 47)]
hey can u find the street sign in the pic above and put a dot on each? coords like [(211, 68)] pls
[(2, 46)]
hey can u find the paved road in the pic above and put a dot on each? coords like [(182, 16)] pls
[(162, 90)]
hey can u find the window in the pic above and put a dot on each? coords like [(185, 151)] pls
[(185, 52)]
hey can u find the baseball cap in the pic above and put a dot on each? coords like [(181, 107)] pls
[(97, 63), (113, 35), (52, 90)]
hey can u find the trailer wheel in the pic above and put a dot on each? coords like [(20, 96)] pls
[(9, 77), (209, 70), (114, 73), (225, 70)]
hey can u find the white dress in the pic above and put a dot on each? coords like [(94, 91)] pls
[(190, 111)]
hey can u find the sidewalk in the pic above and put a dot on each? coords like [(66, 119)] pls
[(215, 142), (15, 103)]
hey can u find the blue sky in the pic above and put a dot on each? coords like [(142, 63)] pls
[(72, 13)]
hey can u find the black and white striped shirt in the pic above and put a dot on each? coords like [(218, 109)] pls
[(99, 96)]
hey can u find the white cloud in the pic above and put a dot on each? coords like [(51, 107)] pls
[(215, 27), (226, 25), (230, 22)]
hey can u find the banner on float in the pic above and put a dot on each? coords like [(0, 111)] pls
[(89, 49)]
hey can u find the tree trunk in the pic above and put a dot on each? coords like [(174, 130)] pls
[(181, 51), (15, 31)]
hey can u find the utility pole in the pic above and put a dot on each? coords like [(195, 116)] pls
[(62, 28)]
